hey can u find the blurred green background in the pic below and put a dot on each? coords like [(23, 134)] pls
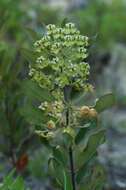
[(104, 21)]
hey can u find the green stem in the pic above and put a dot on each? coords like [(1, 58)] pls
[(71, 159)]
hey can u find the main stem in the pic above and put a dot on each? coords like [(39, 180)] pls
[(71, 154), (72, 168)]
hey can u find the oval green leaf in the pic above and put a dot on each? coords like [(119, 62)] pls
[(105, 102)]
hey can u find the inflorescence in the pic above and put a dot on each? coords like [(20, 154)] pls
[(61, 61), (61, 58)]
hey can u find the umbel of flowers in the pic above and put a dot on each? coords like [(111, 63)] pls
[(61, 58)]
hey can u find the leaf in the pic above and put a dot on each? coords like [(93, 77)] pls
[(90, 147), (57, 170), (105, 102), (60, 155), (34, 92), (9, 178), (12, 183), (95, 180), (34, 95), (80, 135), (93, 141), (17, 184), (68, 136), (82, 172), (60, 173), (32, 115)]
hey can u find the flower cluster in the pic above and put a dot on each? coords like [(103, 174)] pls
[(61, 58), (54, 109)]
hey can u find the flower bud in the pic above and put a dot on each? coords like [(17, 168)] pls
[(93, 113), (51, 125), (85, 112), (70, 25)]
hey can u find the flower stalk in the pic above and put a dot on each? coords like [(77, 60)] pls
[(67, 92)]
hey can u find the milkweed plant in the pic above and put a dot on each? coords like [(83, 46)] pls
[(71, 132)]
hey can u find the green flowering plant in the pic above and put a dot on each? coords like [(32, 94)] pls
[(72, 132)]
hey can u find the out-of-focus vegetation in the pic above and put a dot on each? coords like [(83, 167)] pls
[(102, 21), (16, 135), (13, 184), (12, 126)]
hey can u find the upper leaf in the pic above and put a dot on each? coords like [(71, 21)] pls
[(105, 102)]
